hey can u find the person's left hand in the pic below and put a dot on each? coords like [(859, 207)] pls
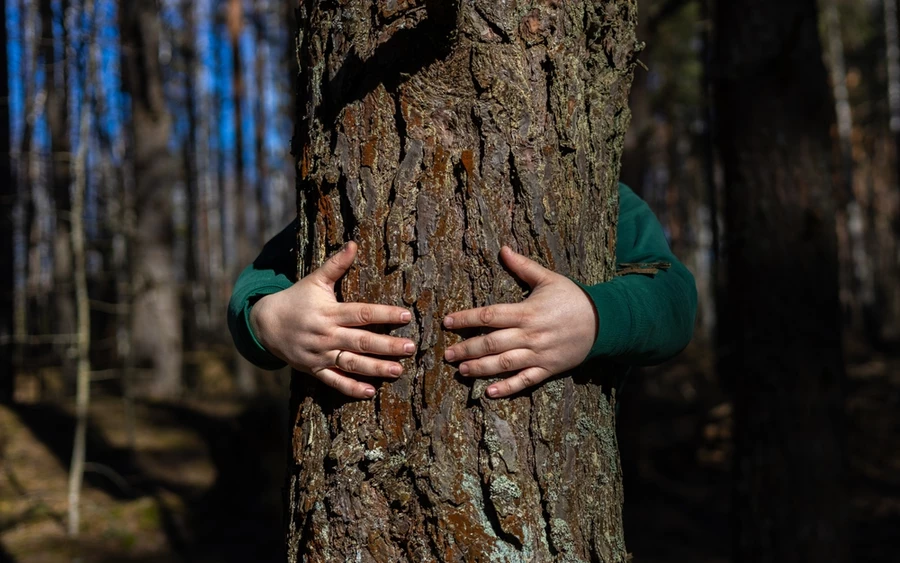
[(548, 333)]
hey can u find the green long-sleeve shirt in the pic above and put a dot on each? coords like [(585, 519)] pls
[(645, 318)]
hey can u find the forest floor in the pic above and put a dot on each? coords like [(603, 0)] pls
[(203, 481)]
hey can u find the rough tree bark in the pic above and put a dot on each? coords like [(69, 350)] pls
[(8, 194), (433, 133), (781, 339), (156, 318)]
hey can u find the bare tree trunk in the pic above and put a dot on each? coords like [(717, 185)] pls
[(838, 71), (57, 111), (892, 38), (781, 322), (157, 329), (855, 275), (26, 166), (192, 294), (8, 198), (262, 19), (432, 134), (83, 313), (245, 377)]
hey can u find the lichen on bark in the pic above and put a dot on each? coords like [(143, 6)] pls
[(432, 133)]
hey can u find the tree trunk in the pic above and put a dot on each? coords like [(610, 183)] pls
[(156, 316), (245, 373), (8, 197), (892, 40), (192, 302), (57, 111), (781, 338), (79, 262), (433, 133)]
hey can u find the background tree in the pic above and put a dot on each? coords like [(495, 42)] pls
[(780, 317), (8, 198), (432, 133), (55, 54), (156, 319)]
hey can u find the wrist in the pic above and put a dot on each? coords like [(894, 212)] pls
[(260, 322)]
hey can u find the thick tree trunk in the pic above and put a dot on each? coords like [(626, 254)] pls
[(781, 337), (433, 133), (8, 196), (156, 319)]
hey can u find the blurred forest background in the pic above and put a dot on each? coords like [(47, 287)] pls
[(148, 149)]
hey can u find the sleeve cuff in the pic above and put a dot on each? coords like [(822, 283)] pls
[(245, 339), (614, 320)]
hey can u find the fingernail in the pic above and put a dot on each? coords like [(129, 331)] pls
[(396, 370), (449, 355), (409, 348), (492, 391), (464, 369), (370, 392), (406, 317), (448, 322)]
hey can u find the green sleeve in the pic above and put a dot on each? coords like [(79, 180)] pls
[(644, 319), (271, 272)]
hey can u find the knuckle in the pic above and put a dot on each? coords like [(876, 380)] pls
[(490, 344), (352, 363), (366, 314), (534, 339), (506, 362), (486, 315), (528, 379), (524, 317), (365, 343), (317, 343)]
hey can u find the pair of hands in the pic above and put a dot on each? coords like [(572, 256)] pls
[(548, 333)]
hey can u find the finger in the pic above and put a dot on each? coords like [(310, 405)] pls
[(523, 267), (513, 360), (494, 316), (517, 383), (348, 386), (366, 342), (351, 362), (335, 267), (361, 314), (487, 345)]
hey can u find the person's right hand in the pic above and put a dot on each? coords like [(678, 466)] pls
[(308, 328)]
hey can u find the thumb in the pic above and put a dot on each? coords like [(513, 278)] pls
[(523, 267), (335, 267)]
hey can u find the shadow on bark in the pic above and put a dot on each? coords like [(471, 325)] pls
[(403, 55)]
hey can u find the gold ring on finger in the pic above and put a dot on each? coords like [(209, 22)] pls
[(337, 360)]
